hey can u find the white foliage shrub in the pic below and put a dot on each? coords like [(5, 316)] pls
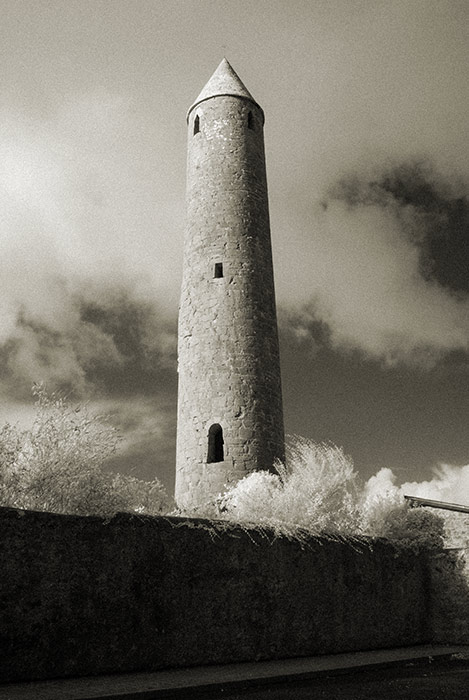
[(57, 465), (316, 492), (377, 510)]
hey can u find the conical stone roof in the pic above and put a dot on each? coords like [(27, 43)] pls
[(224, 81)]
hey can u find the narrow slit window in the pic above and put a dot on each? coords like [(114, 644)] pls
[(196, 125), (215, 444), (250, 121), (218, 270)]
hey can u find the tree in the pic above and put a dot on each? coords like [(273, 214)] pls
[(57, 465)]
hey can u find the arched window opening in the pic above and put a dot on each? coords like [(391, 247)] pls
[(250, 121), (196, 125), (215, 444), (218, 272)]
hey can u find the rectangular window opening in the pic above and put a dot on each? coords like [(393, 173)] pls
[(218, 270)]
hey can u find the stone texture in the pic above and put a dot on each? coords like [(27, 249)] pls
[(83, 596), (223, 82), (229, 369)]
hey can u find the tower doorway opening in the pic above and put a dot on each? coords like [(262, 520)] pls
[(215, 444)]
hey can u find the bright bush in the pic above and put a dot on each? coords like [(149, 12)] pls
[(57, 465), (377, 509), (316, 492)]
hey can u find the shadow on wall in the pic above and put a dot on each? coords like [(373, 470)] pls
[(449, 575)]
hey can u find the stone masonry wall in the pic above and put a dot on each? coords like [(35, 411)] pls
[(450, 596), (82, 596), (229, 369)]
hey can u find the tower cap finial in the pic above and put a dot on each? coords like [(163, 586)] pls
[(224, 81)]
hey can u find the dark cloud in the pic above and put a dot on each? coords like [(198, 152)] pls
[(305, 329), (434, 213), (444, 217), (117, 345), (145, 348), (35, 352)]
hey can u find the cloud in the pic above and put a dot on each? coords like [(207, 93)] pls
[(369, 288), (382, 103), (377, 267), (87, 193), (449, 483), (87, 291), (381, 484), (432, 213), (81, 198), (113, 344)]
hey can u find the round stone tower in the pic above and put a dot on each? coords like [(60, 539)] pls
[(230, 417)]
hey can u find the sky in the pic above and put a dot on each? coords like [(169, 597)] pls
[(367, 147)]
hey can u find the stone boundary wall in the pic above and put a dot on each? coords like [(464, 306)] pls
[(449, 572), (84, 595)]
